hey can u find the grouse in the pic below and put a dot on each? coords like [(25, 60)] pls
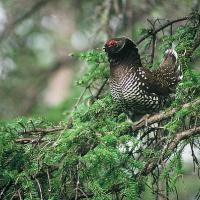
[(135, 88)]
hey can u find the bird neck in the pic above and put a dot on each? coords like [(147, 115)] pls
[(129, 58), (123, 63)]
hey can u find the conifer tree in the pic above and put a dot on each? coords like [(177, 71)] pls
[(97, 153)]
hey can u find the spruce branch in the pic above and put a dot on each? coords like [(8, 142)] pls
[(184, 135), (151, 165)]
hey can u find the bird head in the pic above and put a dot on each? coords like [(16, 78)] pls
[(116, 45)]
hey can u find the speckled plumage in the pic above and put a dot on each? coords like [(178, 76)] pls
[(135, 88)]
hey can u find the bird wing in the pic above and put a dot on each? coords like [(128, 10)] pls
[(163, 81), (152, 83)]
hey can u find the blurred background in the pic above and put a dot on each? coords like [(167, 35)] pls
[(38, 73)]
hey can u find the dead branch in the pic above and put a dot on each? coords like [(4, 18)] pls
[(36, 131), (28, 140), (41, 130)]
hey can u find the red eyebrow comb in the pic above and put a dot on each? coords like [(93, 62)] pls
[(111, 42)]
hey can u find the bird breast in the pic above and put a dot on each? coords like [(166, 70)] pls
[(128, 91)]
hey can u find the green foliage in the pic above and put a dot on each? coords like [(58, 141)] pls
[(186, 32), (188, 89), (96, 156), (173, 171), (97, 67), (132, 191)]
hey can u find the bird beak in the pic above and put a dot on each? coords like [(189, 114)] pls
[(105, 47)]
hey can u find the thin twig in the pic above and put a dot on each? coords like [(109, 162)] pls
[(40, 189), (4, 188), (19, 194), (98, 92), (161, 28), (153, 41), (49, 180), (77, 181), (153, 48)]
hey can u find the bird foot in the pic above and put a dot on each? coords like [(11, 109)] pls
[(144, 119)]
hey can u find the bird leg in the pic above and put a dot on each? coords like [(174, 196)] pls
[(143, 119)]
